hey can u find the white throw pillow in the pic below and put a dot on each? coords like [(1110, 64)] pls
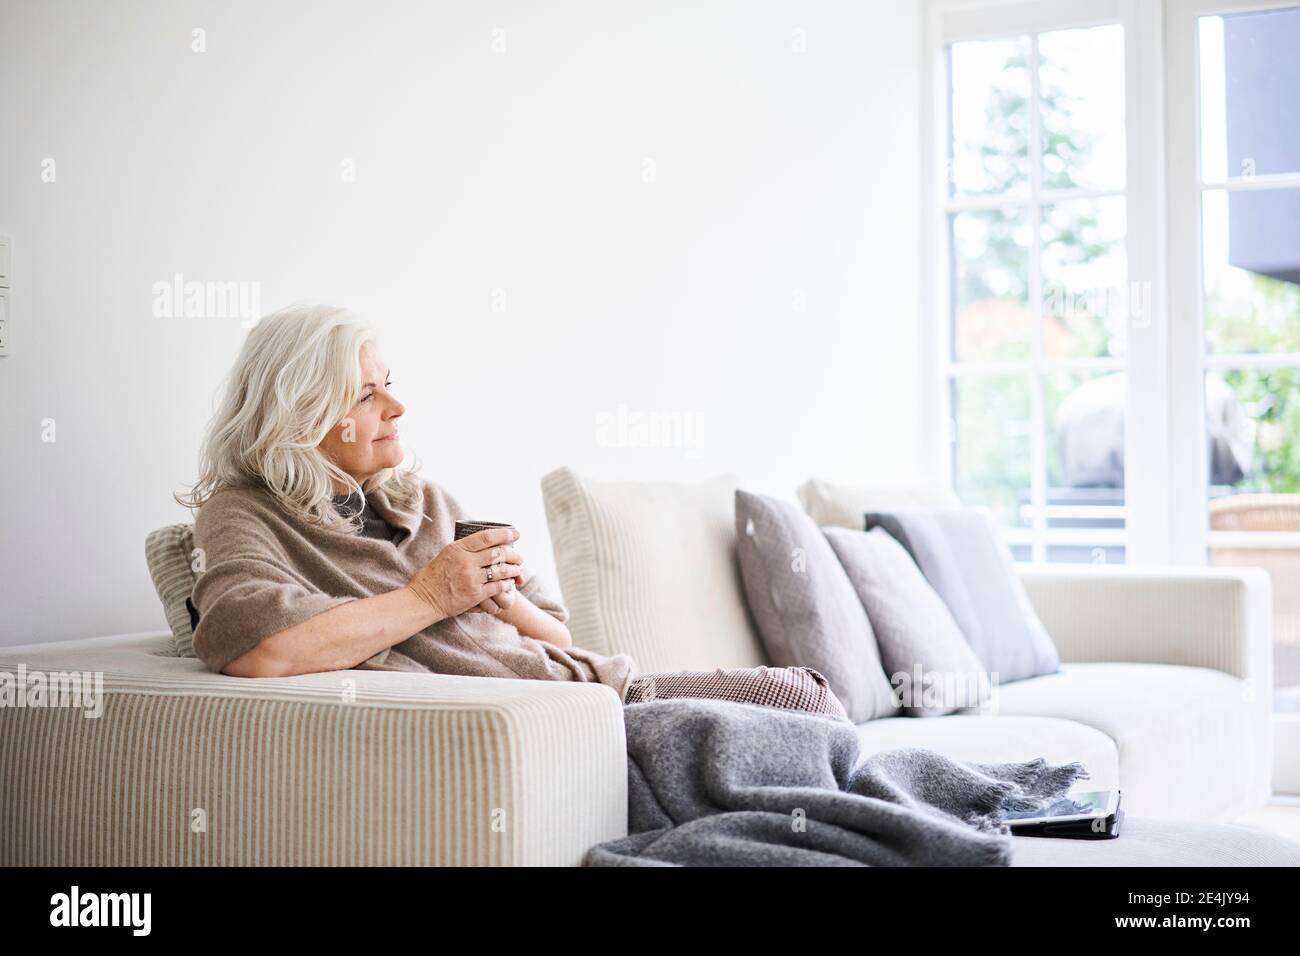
[(648, 568), (846, 506)]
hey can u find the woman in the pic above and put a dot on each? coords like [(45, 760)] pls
[(317, 551)]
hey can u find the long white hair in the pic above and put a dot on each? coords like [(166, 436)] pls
[(297, 375)]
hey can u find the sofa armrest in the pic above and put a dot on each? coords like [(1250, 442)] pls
[(1201, 617), (185, 767), (1220, 618)]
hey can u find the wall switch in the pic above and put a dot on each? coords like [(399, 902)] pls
[(4, 261)]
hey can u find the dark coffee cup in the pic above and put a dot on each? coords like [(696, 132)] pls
[(466, 528)]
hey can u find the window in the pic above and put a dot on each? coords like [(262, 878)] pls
[(1114, 237), (1249, 292), (1038, 292)]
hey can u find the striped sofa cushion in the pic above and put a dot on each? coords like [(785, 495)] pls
[(169, 551), (648, 568)]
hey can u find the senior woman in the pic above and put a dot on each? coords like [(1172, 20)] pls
[(318, 551)]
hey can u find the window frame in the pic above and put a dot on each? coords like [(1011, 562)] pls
[(1189, 357), (1166, 473), (1166, 481), (1148, 516)]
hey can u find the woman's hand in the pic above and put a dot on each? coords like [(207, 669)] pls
[(477, 568), (500, 603), (505, 600), (531, 621)]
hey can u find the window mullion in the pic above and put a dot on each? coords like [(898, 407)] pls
[(1149, 473), (1186, 442), (1037, 426)]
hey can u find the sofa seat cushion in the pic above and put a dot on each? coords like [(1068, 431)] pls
[(1154, 841), (994, 739), (1178, 730)]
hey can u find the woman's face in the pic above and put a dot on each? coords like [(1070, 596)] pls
[(365, 442)]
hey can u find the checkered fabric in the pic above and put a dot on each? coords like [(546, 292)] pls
[(789, 688)]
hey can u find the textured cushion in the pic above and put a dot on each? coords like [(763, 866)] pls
[(168, 552), (1183, 733), (786, 688), (648, 568), (806, 610), (843, 506), (966, 562), (914, 628)]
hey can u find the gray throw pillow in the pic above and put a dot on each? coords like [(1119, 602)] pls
[(931, 667), (965, 560), (804, 606)]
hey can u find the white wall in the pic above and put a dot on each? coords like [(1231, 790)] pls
[(476, 170)]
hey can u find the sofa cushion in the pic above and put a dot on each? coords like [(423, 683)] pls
[(1179, 730), (168, 551), (965, 560), (997, 739), (1148, 841), (804, 605), (921, 647), (648, 568), (843, 506)]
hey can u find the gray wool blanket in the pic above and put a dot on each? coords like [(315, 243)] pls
[(717, 783)]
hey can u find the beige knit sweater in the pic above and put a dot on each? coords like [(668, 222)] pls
[(265, 570)]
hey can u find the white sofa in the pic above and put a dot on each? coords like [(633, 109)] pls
[(1159, 694), (1163, 692)]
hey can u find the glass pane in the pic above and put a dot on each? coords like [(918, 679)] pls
[(1084, 415), (1084, 420), (1086, 554), (989, 88), (1081, 85), (991, 432), (1084, 282), (1253, 425), (1250, 114), (991, 317), (1251, 253)]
